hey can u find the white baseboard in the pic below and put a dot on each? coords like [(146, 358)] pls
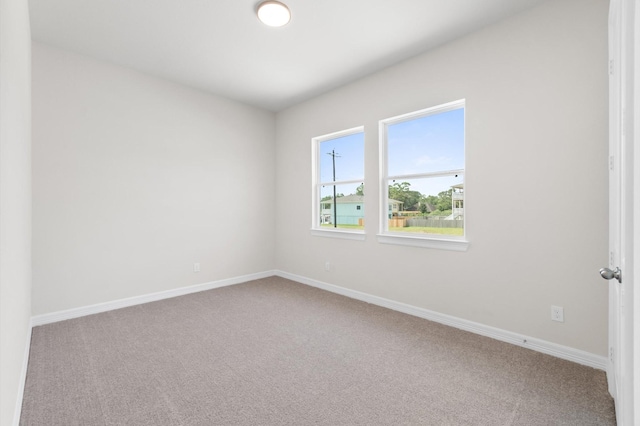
[(146, 298), (23, 377), (559, 351)]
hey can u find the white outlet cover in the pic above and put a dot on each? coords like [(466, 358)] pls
[(557, 313)]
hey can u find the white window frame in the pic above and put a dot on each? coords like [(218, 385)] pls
[(316, 229), (448, 242)]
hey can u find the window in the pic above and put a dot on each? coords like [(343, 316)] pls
[(338, 184), (422, 169)]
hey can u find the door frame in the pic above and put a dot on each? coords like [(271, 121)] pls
[(636, 213), (624, 221)]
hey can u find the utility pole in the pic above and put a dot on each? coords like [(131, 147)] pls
[(334, 154)]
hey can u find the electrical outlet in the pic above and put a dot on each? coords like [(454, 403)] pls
[(196, 267), (327, 266), (557, 313)]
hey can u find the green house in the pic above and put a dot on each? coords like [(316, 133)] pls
[(350, 209)]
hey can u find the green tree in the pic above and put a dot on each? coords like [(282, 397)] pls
[(444, 200), (330, 197), (401, 191), (441, 203), (360, 189)]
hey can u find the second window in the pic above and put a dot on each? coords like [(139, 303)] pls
[(422, 170)]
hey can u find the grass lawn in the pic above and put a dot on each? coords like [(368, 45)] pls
[(410, 229), (328, 225)]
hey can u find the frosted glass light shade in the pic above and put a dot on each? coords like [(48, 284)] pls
[(274, 13)]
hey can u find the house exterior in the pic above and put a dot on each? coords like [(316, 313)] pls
[(394, 207), (350, 210), (457, 202)]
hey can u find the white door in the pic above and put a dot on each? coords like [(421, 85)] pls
[(621, 175)]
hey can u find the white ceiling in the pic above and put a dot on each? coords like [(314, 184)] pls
[(219, 46)]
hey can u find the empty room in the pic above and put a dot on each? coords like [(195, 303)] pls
[(242, 212)]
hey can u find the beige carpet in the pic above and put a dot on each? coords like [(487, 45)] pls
[(276, 352)]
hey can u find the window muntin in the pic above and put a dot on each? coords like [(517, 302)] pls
[(339, 172), (422, 168)]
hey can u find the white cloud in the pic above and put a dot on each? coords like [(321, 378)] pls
[(426, 160)]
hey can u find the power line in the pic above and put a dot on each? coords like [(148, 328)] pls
[(333, 155)]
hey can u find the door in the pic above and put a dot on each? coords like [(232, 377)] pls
[(620, 271)]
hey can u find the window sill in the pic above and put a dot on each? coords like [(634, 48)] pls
[(344, 234), (429, 242)]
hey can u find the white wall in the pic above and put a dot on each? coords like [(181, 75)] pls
[(136, 178), (15, 201), (536, 177)]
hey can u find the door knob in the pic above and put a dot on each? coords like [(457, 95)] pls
[(608, 274)]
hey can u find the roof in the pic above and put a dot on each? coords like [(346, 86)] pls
[(351, 199)]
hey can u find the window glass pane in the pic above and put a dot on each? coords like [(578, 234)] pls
[(432, 205), (426, 144), (349, 208), (348, 153)]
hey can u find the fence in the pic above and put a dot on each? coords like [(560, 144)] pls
[(348, 220), (435, 223)]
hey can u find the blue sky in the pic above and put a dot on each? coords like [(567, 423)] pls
[(433, 143), (349, 164), (426, 144)]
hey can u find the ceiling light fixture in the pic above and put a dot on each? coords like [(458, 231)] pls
[(274, 13)]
